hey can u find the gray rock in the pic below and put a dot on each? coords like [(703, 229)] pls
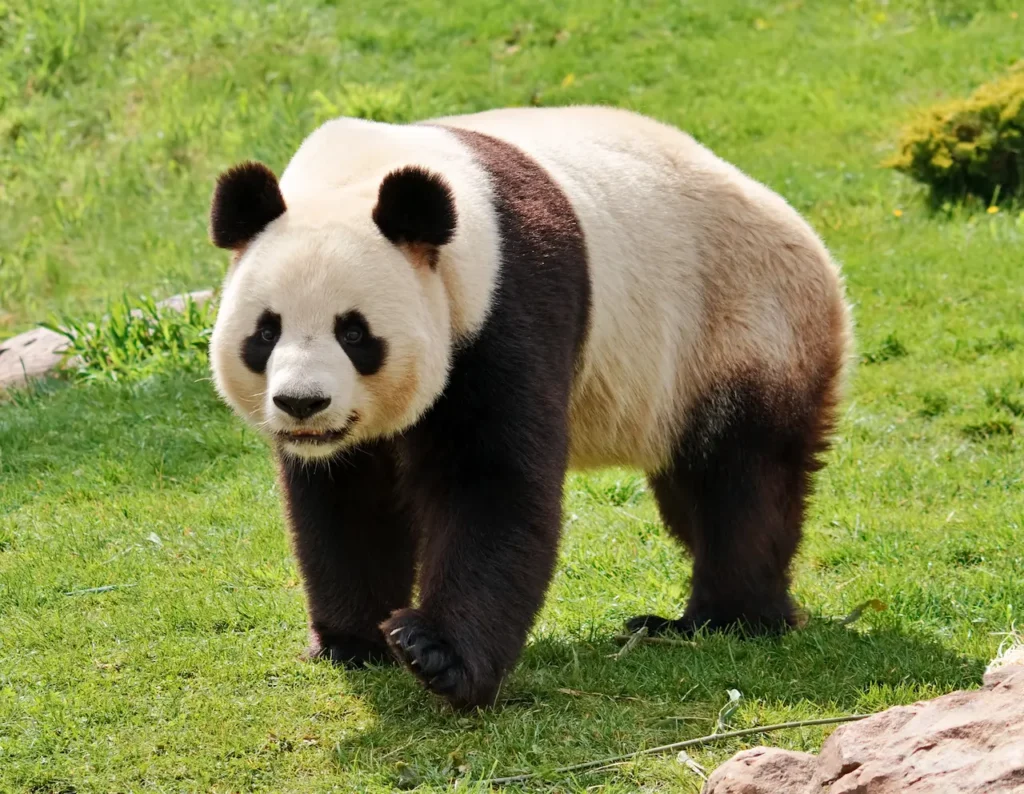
[(30, 355), (177, 302)]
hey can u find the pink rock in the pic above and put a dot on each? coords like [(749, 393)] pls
[(762, 770), (964, 742)]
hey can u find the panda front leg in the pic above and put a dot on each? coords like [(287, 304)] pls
[(490, 519), (355, 548)]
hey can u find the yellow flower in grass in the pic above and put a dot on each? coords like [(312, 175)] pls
[(992, 210)]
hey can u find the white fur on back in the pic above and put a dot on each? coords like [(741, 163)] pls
[(698, 273)]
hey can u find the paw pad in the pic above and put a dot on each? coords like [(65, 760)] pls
[(433, 660)]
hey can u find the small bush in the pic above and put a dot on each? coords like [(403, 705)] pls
[(138, 338), (973, 146)]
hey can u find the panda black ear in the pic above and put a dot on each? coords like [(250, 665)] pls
[(245, 200), (415, 208)]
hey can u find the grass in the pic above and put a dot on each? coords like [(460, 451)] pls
[(136, 339), (184, 676)]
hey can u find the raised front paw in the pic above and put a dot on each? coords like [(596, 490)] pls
[(434, 660)]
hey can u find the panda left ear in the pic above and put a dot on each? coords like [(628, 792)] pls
[(246, 199), (415, 208)]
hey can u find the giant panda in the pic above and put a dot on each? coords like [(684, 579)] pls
[(433, 322)]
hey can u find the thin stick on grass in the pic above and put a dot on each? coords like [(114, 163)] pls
[(666, 748), (579, 693), (631, 643), (627, 638), (104, 589)]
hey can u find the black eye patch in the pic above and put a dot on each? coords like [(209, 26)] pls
[(366, 351), (256, 348)]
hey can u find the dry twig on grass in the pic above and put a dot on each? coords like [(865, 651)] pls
[(625, 639), (665, 748)]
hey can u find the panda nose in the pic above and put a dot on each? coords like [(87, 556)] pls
[(301, 407)]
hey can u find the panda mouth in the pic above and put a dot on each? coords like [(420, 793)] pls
[(317, 437)]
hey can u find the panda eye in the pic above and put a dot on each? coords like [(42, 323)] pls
[(353, 335), (268, 328), (356, 338), (258, 346)]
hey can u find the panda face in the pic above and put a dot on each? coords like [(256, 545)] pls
[(329, 334)]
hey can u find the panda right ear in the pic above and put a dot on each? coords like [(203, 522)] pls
[(245, 200), (416, 210)]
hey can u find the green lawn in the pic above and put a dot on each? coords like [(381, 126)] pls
[(114, 119)]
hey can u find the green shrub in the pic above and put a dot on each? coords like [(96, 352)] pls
[(973, 146), (137, 338)]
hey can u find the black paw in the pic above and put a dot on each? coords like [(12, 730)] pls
[(754, 625), (349, 650), (432, 659)]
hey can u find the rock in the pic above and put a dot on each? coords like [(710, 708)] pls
[(762, 770), (30, 355), (177, 302), (965, 742)]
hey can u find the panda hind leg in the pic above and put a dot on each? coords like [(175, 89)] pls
[(734, 496)]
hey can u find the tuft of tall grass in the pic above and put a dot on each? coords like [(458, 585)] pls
[(137, 338)]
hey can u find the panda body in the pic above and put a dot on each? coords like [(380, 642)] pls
[(531, 290)]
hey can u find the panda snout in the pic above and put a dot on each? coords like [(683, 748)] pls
[(301, 407)]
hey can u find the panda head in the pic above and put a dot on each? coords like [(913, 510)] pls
[(333, 327)]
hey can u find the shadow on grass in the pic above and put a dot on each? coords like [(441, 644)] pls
[(571, 701)]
